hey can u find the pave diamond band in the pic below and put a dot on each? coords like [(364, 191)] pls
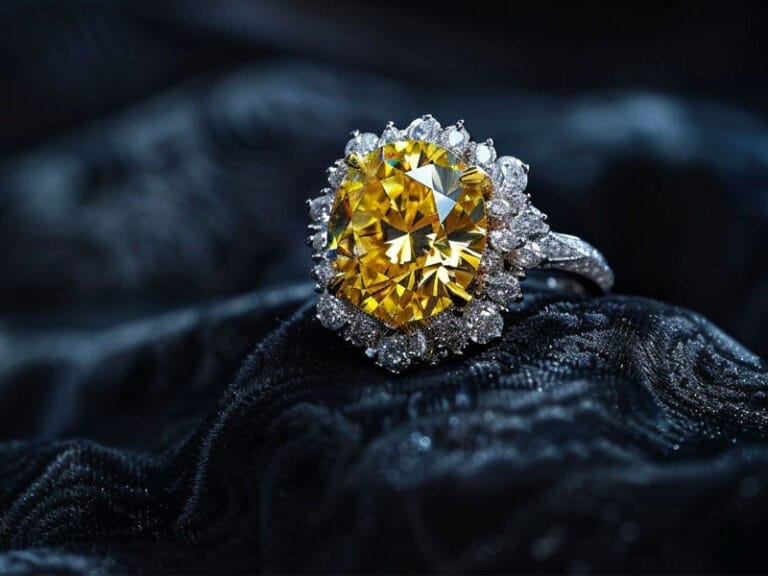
[(566, 253), (421, 239)]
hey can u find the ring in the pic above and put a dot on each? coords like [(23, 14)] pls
[(421, 239)]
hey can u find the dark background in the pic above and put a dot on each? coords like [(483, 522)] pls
[(644, 124), (154, 162)]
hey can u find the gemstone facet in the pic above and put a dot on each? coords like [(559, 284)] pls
[(407, 230)]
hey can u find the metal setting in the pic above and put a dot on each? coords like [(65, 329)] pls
[(518, 239)]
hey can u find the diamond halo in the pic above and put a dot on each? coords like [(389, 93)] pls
[(515, 232)]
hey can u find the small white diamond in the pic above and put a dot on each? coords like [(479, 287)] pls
[(502, 288), (320, 241), (390, 134), (503, 240), (517, 201), (337, 173), (491, 262), (528, 255), (320, 207), (423, 128), (368, 142), (513, 173), (529, 224), (394, 353), (323, 272), (362, 143), (484, 154), (331, 312), (455, 137), (484, 322), (499, 208)]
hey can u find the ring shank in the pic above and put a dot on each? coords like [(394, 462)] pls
[(566, 253)]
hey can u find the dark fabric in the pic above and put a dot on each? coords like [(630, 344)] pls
[(169, 405), (595, 432)]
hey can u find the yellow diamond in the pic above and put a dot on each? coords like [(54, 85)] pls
[(408, 228)]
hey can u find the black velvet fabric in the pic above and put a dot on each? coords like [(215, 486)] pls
[(168, 404)]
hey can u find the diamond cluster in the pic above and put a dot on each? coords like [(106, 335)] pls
[(420, 241)]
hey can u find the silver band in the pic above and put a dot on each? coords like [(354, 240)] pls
[(567, 253)]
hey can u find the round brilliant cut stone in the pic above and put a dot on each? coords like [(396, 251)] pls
[(319, 240), (362, 143), (504, 240), (484, 153), (320, 207), (502, 288), (323, 272), (423, 128), (484, 323), (336, 174), (407, 231), (331, 312), (455, 137), (394, 353), (513, 172)]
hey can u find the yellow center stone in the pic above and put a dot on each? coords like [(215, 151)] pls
[(408, 228)]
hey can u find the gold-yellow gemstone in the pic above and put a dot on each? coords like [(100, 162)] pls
[(408, 228)]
